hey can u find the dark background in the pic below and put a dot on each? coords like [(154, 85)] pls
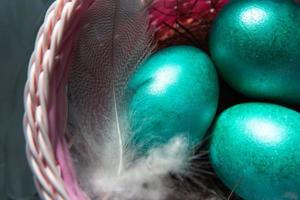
[(19, 23)]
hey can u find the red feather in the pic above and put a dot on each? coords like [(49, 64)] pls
[(183, 21)]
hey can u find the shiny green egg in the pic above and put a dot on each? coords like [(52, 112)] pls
[(256, 47), (173, 93), (255, 150)]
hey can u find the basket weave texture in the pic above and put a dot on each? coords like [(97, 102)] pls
[(45, 102)]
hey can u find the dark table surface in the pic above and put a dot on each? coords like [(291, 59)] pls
[(19, 23)]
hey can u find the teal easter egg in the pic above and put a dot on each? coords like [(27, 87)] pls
[(256, 48), (173, 93), (255, 150)]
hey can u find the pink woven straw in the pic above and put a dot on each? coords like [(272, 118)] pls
[(45, 102)]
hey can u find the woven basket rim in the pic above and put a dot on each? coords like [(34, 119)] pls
[(42, 147)]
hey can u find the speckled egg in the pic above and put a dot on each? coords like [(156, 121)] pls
[(256, 47), (173, 93), (255, 150)]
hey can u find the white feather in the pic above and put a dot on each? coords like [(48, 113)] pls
[(114, 40)]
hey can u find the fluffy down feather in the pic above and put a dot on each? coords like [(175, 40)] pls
[(114, 39)]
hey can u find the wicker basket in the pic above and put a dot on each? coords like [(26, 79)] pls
[(45, 102)]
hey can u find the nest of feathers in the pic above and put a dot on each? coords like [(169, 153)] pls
[(173, 22), (80, 143), (111, 38)]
